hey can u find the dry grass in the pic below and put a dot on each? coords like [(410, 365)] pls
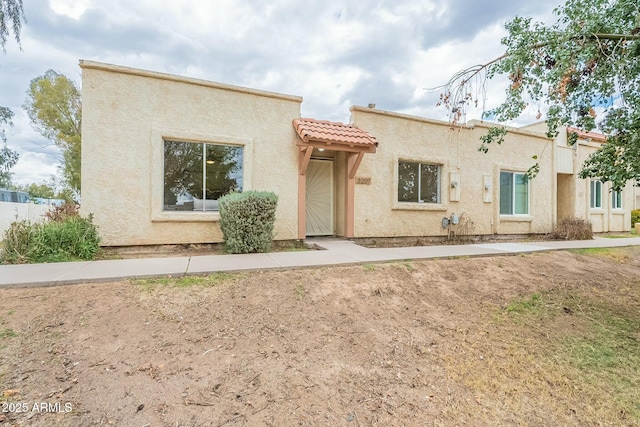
[(609, 254), (571, 228), (575, 352)]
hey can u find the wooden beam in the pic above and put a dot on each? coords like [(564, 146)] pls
[(303, 159), (353, 167), (340, 147)]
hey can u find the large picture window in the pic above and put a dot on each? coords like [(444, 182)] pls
[(514, 193), (595, 195), (418, 182), (196, 175)]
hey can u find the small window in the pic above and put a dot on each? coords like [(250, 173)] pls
[(595, 195), (418, 182), (514, 193), (616, 199), (196, 175)]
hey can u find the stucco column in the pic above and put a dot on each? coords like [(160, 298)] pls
[(349, 205), (304, 155), (302, 195)]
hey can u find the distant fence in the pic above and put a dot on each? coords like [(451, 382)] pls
[(10, 212)]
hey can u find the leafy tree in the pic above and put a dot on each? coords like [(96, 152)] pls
[(11, 17), (585, 67), (8, 157), (55, 108), (43, 190), (49, 189)]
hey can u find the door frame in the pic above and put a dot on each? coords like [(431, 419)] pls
[(352, 159), (332, 196)]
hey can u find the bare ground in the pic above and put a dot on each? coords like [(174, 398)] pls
[(407, 343)]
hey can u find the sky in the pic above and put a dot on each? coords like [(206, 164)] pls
[(333, 54)]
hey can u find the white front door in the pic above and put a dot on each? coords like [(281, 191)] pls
[(319, 198)]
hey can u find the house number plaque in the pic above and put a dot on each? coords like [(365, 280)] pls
[(363, 180)]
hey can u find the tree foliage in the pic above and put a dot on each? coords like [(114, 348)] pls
[(43, 190), (55, 108), (47, 190), (11, 18), (8, 157), (585, 68)]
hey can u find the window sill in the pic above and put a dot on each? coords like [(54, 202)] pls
[(616, 211), (176, 216), (516, 218), (407, 206), (596, 211)]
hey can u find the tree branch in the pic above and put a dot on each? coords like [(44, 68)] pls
[(471, 72)]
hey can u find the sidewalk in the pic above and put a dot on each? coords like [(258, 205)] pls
[(335, 252)]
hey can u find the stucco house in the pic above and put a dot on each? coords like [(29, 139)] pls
[(158, 150)]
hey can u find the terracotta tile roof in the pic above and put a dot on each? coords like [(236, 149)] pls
[(332, 132), (591, 136)]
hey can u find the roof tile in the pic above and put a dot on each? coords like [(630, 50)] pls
[(591, 136), (332, 132)]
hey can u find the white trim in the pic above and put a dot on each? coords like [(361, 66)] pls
[(522, 217), (597, 205), (614, 205)]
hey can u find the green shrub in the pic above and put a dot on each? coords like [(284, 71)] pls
[(571, 228), (17, 242), (247, 220), (70, 239), (635, 217)]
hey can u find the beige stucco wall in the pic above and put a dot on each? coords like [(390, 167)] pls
[(402, 137), (604, 219), (126, 115), (566, 190)]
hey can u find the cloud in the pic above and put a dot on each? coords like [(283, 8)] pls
[(462, 20), (334, 54)]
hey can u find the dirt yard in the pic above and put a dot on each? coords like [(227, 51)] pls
[(468, 341)]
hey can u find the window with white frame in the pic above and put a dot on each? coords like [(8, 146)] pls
[(616, 199), (595, 194), (197, 174), (514, 193), (418, 182)]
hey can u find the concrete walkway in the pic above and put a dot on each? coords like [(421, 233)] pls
[(335, 252)]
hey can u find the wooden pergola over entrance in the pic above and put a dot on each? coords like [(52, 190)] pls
[(332, 136)]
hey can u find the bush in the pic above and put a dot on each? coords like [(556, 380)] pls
[(62, 212), (571, 228), (635, 217), (17, 242), (70, 239), (247, 220)]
